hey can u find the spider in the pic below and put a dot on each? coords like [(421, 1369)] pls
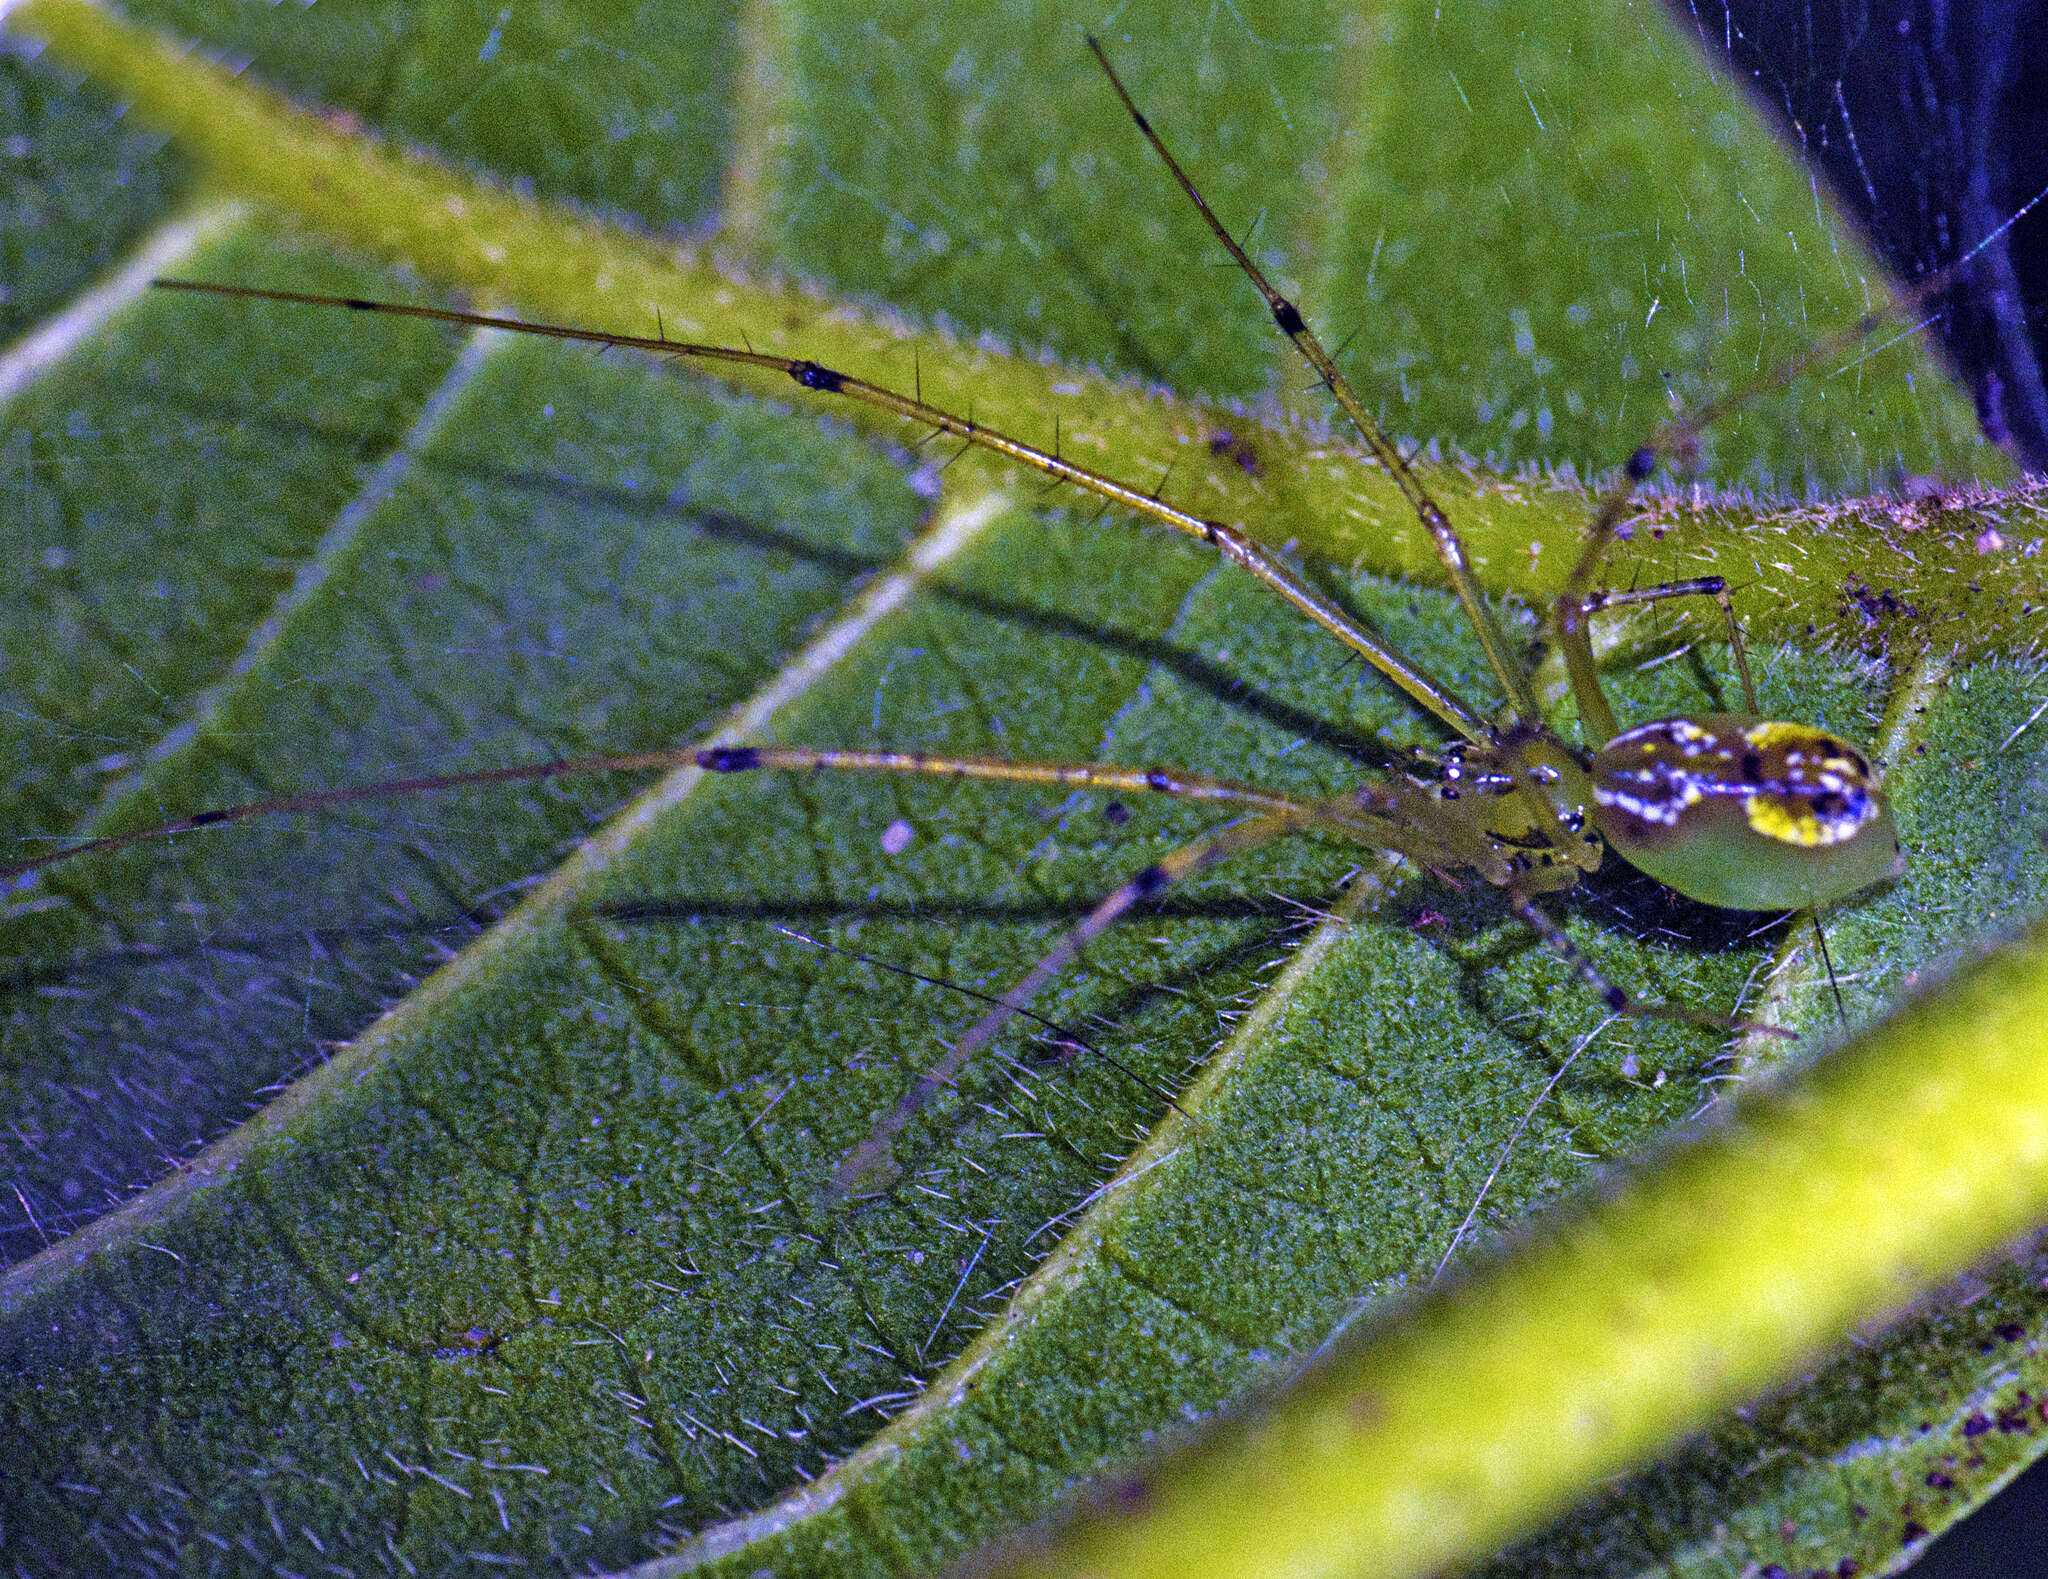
[(1729, 809)]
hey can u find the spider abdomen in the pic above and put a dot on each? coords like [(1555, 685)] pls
[(1745, 813)]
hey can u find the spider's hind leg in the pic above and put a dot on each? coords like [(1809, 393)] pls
[(869, 1168), (1607, 991)]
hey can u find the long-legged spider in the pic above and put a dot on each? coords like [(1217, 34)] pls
[(1729, 809)]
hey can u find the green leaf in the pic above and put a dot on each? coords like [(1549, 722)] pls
[(542, 1264)]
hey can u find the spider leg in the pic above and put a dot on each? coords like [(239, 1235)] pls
[(1227, 540), (869, 1167), (1500, 656), (1575, 641), (1617, 1001), (712, 759), (1089, 775)]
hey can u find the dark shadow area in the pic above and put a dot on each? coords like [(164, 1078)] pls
[(287, 943), (1637, 903), (721, 526)]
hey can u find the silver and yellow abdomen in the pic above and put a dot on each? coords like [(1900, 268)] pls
[(1745, 813)]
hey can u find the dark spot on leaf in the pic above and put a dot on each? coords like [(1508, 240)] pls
[(1875, 607), (1976, 1425), (1055, 1052), (813, 376), (1225, 445)]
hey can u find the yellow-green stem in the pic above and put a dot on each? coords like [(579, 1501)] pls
[(1820, 1203)]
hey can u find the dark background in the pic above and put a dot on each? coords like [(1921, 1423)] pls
[(1928, 121)]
